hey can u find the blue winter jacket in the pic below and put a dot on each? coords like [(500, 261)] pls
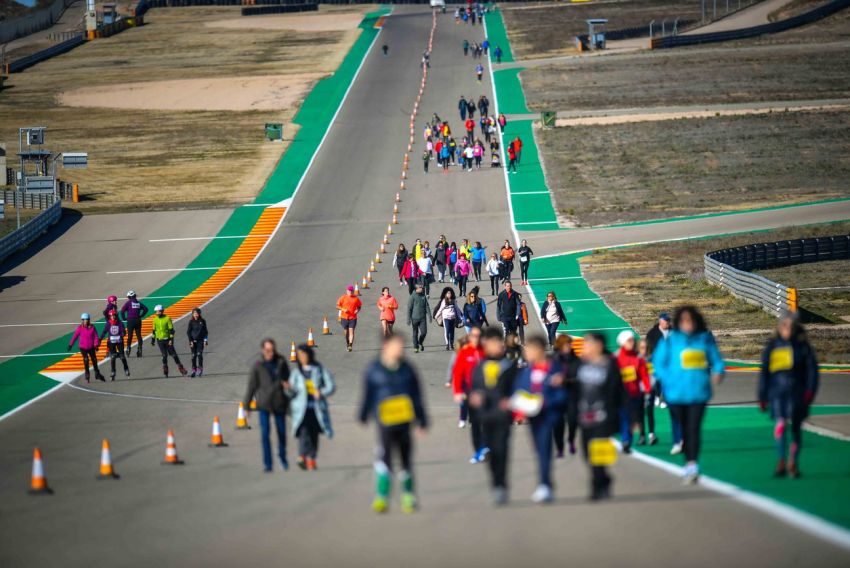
[(554, 398), (684, 364), (381, 383)]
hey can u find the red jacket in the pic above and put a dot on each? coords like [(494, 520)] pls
[(410, 269), (470, 125), (511, 153), (466, 360), (634, 373)]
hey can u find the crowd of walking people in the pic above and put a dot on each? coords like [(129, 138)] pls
[(442, 146)]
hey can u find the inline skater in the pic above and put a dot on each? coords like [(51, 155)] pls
[(86, 332), (114, 330), (198, 339), (163, 337), (133, 312)]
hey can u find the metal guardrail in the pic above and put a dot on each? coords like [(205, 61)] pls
[(781, 26), (19, 65), (29, 232), (20, 26), (730, 268)]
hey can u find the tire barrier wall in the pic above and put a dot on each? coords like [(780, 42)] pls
[(772, 28), (731, 268)]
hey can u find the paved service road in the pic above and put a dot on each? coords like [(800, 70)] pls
[(219, 508)]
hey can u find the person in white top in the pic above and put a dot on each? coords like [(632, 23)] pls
[(426, 266), (493, 270)]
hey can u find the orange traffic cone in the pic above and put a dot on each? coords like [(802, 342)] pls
[(403, 174), (397, 197), (377, 258), (370, 277), (106, 470), (372, 266), (242, 418), (365, 285), (217, 440), (253, 405), (395, 209), (326, 330), (386, 239), (403, 185), (292, 357), (389, 229), (383, 248), (171, 451), (38, 484), (356, 290), (395, 218), (311, 342)]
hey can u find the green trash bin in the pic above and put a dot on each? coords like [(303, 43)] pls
[(274, 131), (548, 118)]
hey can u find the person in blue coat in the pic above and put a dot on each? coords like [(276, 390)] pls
[(788, 384), (688, 363), (540, 396), (311, 384), (392, 396)]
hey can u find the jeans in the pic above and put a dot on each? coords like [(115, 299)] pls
[(265, 434), (541, 432), (552, 331), (690, 418), (197, 354), (676, 425), (510, 327), (449, 331), (476, 430)]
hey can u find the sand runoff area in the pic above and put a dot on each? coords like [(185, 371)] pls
[(272, 92), (299, 22)]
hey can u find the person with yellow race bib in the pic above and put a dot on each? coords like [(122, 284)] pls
[(392, 396), (600, 396), (636, 384), (688, 363), (310, 386), (788, 384)]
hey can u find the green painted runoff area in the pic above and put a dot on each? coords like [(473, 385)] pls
[(497, 34), (20, 380), (738, 448)]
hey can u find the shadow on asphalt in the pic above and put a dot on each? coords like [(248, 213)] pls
[(69, 219)]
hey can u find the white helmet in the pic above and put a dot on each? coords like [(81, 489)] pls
[(624, 336), (131, 293), (158, 308)]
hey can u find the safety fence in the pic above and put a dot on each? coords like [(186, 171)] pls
[(30, 23), (631, 33), (781, 26), (731, 268), (28, 61), (26, 200), (34, 228), (278, 9)]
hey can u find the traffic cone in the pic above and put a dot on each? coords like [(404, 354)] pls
[(403, 185), (339, 312), (356, 290), (389, 229), (395, 218), (395, 208), (365, 284), (370, 277), (409, 147), (372, 267), (217, 440), (383, 248), (253, 405), (377, 258), (326, 330), (292, 357), (386, 239), (38, 483), (106, 470), (397, 197), (242, 418), (171, 451), (310, 341), (403, 174)]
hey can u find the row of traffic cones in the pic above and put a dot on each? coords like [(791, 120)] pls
[(39, 485)]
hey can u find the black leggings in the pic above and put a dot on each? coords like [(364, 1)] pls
[(494, 284), (308, 435), (134, 325), (496, 435), (197, 354), (396, 438), (599, 474), (476, 269), (523, 270), (90, 356), (116, 350), (165, 349), (690, 417)]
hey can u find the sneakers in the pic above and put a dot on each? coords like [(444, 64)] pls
[(461, 424), (165, 370), (483, 454), (379, 505), (301, 462), (560, 454), (690, 474), (284, 464), (311, 464), (676, 449), (350, 348), (627, 448), (127, 373), (653, 439), (112, 376), (543, 494), (476, 458), (572, 448), (408, 503), (641, 440), (780, 470), (193, 373), (416, 349), (448, 385), (499, 497)]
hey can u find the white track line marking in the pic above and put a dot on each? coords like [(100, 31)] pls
[(37, 324), (276, 229), (809, 523), (534, 222), (556, 278), (170, 269), (582, 300), (532, 193), (177, 239), (826, 432), (140, 297), (596, 328)]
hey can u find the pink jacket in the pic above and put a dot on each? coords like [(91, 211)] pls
[(463, 268), (410, 270), (88, 336)]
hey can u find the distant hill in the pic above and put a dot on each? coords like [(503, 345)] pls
[(11, 8)]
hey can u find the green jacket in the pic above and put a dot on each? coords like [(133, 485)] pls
[(418, 308), (163, 328)]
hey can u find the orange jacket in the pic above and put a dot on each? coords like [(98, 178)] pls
[(388, 306)]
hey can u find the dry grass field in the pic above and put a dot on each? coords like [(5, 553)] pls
[(640, 282), (172, 113)]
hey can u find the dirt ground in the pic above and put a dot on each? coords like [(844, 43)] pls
[(824, 289), (646, 170), (550, 29), (692, 77), (639, 282), (174, 111)]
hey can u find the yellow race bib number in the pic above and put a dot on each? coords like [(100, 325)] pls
[(781, 359), (491, 372), (311, 388), (694, 359), (602, 452), (629, 374), (396, 410)]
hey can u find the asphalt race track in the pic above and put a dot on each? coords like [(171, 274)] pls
[(220, 509)]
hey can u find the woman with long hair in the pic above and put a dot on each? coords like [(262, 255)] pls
[(311, 384), (387, 305), (448, 315)]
